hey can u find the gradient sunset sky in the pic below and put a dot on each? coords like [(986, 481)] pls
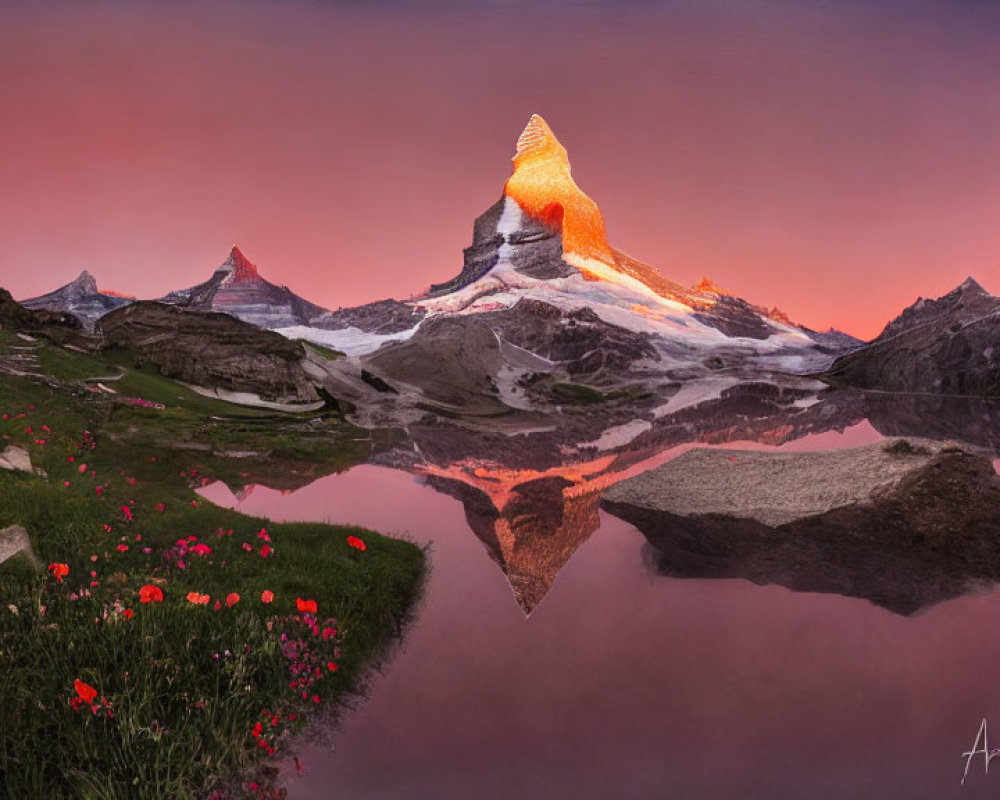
[(834, 159)]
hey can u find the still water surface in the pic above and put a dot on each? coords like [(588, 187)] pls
[(625, 684)]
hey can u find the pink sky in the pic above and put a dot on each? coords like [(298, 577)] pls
[(833, 159)]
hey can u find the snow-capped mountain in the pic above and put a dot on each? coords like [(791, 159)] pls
[(237, 288), (544, 299), (81, 298)]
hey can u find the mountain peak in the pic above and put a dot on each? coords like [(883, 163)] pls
[(85, 283), (543, 187), (970, 284), (538, 140), (240, 266)]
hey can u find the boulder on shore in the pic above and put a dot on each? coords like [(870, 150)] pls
[(903, 523)]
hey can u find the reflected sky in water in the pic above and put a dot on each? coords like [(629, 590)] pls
[(621, 683)]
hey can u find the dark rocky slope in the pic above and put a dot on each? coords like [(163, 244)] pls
[(946, 346), (216, 351)]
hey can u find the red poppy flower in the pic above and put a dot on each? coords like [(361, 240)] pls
[(305, 606), (266, 596), (201, 549), (160, 507), (59, 571), (356, 543), (127, 512), (122, 548), (198, 599), (232, 599), (262, 534), (150, 594), (265, 551), (85, 691)]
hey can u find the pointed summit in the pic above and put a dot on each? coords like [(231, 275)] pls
[(237, 288), (85, 283), (81, 298), (970, 284), (544, 189), (240, 266)]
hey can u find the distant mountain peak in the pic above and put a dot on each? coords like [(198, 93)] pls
[(543, 186), (970, 284), (241, 268), (84, 283)]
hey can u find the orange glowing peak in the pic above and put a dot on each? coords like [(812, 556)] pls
[(544, 188)]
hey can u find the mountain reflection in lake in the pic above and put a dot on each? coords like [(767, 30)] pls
[(624, 683)]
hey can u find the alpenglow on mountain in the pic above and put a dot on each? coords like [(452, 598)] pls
[(542, 302), (237, 288)]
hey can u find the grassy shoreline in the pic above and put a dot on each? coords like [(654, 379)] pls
[(182, 695)]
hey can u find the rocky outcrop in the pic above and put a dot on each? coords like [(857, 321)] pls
[(15, 459), (59, 326), (531, 247), (236, 288), (946, 346), (215, 351), (81, 298), (902, 523), (381, 317), (450, 360), (13, 540), (579, 340)]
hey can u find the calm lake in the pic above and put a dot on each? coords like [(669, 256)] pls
[(624, 683)]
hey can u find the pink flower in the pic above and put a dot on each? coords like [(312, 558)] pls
[(82, 468), (201, 549), (262, 534), (122, 548), (265, 551), (247, 547), (127, 512)]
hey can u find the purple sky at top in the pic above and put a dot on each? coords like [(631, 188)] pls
[(833, 159)]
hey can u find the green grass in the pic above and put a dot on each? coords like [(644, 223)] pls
[(184, 684), (327, 352), (576, 393)]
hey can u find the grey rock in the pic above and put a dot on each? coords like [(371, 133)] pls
[(13, 540), (216, 351), (381, 317), (451, 360), (903, 523), (15, 459), (536, 251)]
